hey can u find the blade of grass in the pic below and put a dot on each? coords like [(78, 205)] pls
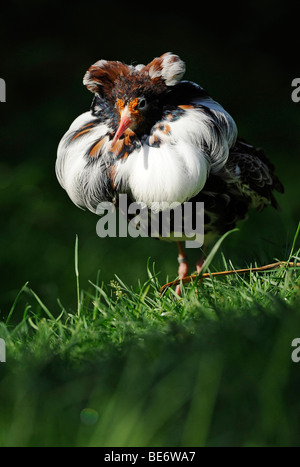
[(294, 243), (77, 277), (208, 259), (42, 305), (15, 302), (214, 250)]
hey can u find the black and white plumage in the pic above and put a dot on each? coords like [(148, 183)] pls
[(160, 139)]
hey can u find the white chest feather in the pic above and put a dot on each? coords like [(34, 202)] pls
[(177, 170), (172, 172)]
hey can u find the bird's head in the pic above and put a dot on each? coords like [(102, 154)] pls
[(131, 93), (131, 114)]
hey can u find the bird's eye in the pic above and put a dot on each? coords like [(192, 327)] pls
[(142, 103)]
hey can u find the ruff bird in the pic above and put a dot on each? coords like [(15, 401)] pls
[(160, 139)]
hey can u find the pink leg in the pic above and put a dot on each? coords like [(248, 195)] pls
[(200, 263), (183, 266)]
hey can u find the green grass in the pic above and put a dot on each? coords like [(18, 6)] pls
[(212, 368)]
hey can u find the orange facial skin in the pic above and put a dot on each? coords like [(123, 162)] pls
[(131, 108), (120, 104), (130, 117)]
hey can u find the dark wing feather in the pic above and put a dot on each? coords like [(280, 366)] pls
[(254, 173), (247, 180)]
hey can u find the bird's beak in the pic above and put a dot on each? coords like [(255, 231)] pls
[(125, 122)]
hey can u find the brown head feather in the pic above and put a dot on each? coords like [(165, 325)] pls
[(101, 76), (115, 80)]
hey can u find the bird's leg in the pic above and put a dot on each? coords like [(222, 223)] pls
[(183, 266), (200, 261)]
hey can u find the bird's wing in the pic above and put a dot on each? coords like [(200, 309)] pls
[(253, 174), (85, 176), (196, 117)]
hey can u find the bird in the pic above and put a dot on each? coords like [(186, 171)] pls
[(161, 139)]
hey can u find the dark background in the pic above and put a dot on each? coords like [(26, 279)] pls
[(245, 57)]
